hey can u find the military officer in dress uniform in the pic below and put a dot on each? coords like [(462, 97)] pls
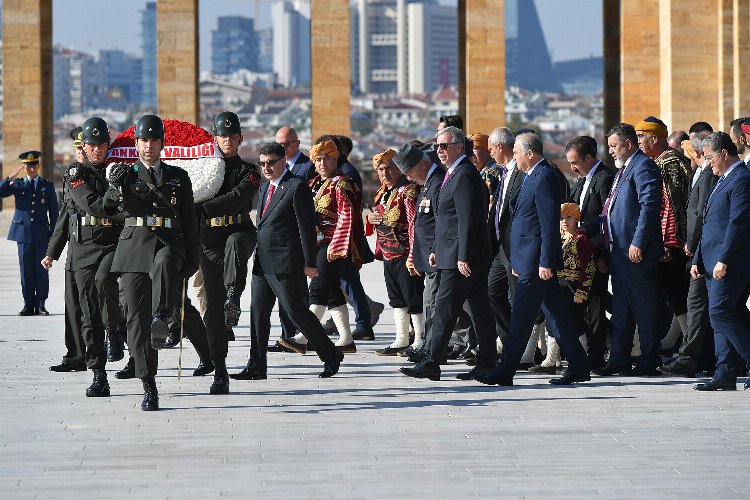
[(32, 226), (227, 237), (158, 246)]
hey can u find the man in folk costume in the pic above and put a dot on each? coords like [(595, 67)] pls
[(392, 219), (335, 202)]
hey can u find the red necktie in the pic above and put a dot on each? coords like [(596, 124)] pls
[(271, 189), (445, 179)]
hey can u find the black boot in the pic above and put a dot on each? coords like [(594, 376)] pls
[(232, 307), (221, 379), (173, 338), (128, 371), (204, 368), (99, 387), (150, 395), (115, 346)]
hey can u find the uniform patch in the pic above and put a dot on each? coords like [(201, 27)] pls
[(76, 183)]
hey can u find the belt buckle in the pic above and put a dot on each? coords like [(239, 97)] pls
[(217, 221), (167, 223), (153, 221), (105, 222), (230, 219)]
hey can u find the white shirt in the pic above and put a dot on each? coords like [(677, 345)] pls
[(535, 164), (511, 165), (432, 169), (587, 183), (455, 164), (747, 159), (697, 173), (290, 163)]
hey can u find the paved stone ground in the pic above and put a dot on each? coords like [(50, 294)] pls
[(367, 433)]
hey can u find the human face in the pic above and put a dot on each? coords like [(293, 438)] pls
[(717, 159), (448, 150), (523, 160), (288, 138), (32, 170), (619, 148), (646, 142), (271, 167), (418, 174), (80, 158), (481, 157), (581, 166), (738, 141), (326, 166), (149, 150), (568, 224), (229, 144), (96, 153), (388, 174)]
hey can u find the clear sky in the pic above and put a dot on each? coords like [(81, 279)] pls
[(572, 28)]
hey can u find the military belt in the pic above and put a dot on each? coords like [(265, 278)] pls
[(90, 220), (152, 221), (224, 220)]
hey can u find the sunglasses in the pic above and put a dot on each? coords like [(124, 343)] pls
[(444, 145), (268, 163)]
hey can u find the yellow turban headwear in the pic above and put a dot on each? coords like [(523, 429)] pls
[(325, 148), (481, 141), (653, 126), (384, 156), (570, 210)]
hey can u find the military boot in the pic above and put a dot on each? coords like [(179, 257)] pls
[(150, 395), (115, 346), (220, 384), (99, 388), (232, 307)]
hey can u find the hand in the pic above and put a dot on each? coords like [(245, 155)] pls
[(119, 173), (463, 268), (577, 299), (694, 273), (413, 272), (47, 263), (720, 270), (545, 273), (18, 171), (635, 254), (514, 272), (431, 260), (687, 251), (311, 272), (374, 218)]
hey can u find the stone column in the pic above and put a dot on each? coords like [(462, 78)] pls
[(611, 46), (329, 67), (725, 65), (481, 43), (741, 59), (27, 84), (177, 60), (639, 60)]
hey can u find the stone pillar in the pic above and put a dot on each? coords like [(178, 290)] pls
[(27, 84), (741, 57), (481, 42), (177, 60), (611, 45), (725, 65), (329, 66), (639, 60)]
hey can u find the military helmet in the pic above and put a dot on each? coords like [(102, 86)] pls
[(149, 127), (95, 131), (227, 123)]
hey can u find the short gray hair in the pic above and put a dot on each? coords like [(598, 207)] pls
[(502, 136), (697, 140), (457, 135), (530, 142)]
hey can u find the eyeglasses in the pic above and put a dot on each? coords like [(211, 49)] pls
[(287, 144), (444, 145), (268, 163), (708, 158)]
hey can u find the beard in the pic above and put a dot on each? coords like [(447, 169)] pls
[(619, 163)]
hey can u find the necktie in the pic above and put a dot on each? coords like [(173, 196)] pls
[(605, 210), (718, 183), (445, 179), (271, 189), (499, 204), (152, 171)]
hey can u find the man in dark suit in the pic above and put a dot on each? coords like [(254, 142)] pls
[(590, 193), (297, 162), (631, 238), (722, 257), (502, 283), (284, 257), (461, 254), (536, 255)]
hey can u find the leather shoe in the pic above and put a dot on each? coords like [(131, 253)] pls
[(610, 370), (150, 395), (454, 352), (172, 339), (548, 370), (716, 384), (490, 380), (277, 347), (220, 384), (68, 367), (330, 327), (390, 351), (376, 309), (677, 369), (293, 345), (424, 369), (359, 334), (467, 354), (474, 374), (232, 309), (204, 368), (331, 368), (41, 311), (348, 348), (115, 346), (159, 332), (642, 371), (27, 311), (99, 388), (570, 378), (417, 356), (250, 372), (407, 352), (127, 372)]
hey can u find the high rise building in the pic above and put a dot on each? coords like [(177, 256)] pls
[(121, 79), (291, 42), (234, 45), (77, 82), (433, 41), (527, 61), (61, 85), (148, 49)]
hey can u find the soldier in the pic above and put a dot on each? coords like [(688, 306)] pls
[(32, 226), (75, 357), (227, 237), (393, 220), (159, 244)]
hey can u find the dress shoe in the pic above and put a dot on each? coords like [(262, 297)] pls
[(716, 385), (407, 352), (232, 309), (454, 352), (159, 332), (293, 345), (204, 368), (424, 369), (330, 327), (677, 369), (230, 336), (417, 356), (525, 366), (250, 372), (331, 368), (359, 334), (277, 347), (376, 309), (348, 348), (471, 361), (610, 370), (489, 379), (41, 311), (127, 372), (474, 374), (115, 346), (150, 395), (27, 311), (172, 339), (642, 371), (68, 367), (99, 388), (467, 354), (220, 384), (548, 370), (569, 378), (390, 351)]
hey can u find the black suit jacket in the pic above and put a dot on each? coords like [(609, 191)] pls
[(514, 180), (598, 191), (696, 204), (424, 221), (461, 232), (303, 167), (286, 229)]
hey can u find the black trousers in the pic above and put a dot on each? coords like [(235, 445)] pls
[(92, 326), (674, 283), (502, 289), (74, 344), (138, 296), (193, 327), (166, 281), (109, 294), (404, 290), (697, 346), (290, 290), (216, 295), (453, 290), (325, 288), (596, 319)]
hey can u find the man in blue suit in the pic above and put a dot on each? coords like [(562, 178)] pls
[(722, 257), (632, 242), (535, 256), (32, 226)]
